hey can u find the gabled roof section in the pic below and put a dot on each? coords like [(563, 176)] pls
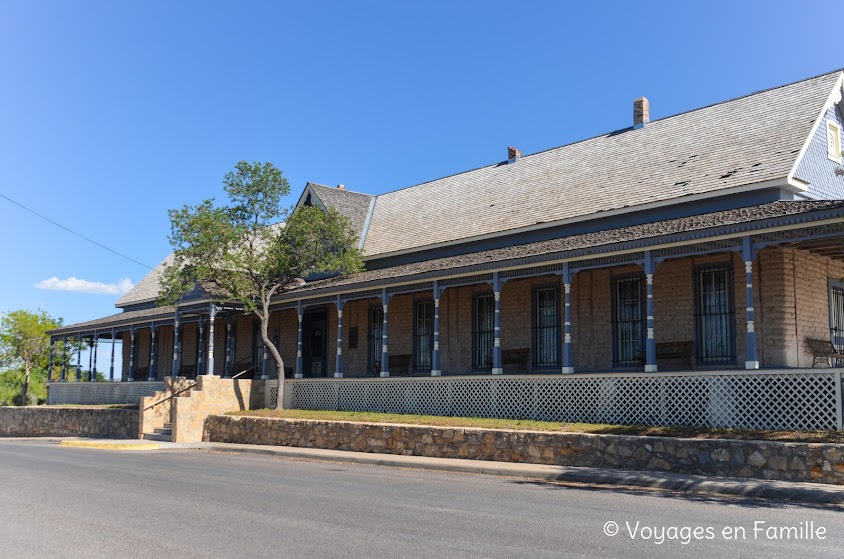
[(147, 289), (354, 205), (744, 143)]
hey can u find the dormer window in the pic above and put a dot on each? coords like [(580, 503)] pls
[(833, 140)]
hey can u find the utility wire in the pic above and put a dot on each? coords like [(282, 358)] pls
[(75, 233)]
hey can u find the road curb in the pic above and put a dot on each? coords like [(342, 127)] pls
[(106, 445), (776, 490)]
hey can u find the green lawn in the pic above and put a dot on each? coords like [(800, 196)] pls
[(527, 425)]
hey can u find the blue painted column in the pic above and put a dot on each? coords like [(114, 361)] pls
[(568, 355), (497, 367), (64, 360), (131, 354), (212, 317), (177, 346), (338, 368), (50, 361), (111, 365), (227, 373), (153, 375), (200, 354), (385, 353), (299, 363), (91, 360), (96, 346), (79, 359), (650, 342), (751, 359), (436, 371)]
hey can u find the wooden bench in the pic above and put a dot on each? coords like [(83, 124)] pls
[(824, 352), (683, 350), (518, 357)]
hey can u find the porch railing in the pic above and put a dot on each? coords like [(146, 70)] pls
[(772, 399)]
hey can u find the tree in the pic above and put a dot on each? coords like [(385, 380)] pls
[(252, 250), (24, 345)]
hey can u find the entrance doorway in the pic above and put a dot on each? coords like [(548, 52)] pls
[(314, 325)]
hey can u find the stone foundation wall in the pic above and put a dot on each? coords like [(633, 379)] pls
[(68, 422), (212, 395), (731, 458)]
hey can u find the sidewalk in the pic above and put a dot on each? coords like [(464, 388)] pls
[(777, 490)]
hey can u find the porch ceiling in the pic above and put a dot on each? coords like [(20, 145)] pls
[(832, 247)]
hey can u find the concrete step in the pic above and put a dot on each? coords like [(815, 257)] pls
[(168, 425), (163, 431), (158, 437)]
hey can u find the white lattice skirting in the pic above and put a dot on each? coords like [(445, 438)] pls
[(802, 400), (100, 393)]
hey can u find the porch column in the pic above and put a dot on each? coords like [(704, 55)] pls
[(299, 363), (568, 357), (497, 368), (435, 355), (751, 359), (50, 360), (198, 369), (131, 354), (650, 342), (111, 365), (385, 353), (338, 369), (227, 373), (91, 359), (212, 317), (152, 373), (177, 347), (96, 346), (64, 360), (79, 359)]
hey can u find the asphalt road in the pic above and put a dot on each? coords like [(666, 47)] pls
[(61, 502)]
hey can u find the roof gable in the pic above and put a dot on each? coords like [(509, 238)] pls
[(354, 205)]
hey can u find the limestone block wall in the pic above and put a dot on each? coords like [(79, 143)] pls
[(710, 457), (156, 410), (68, 422), (212, 395)]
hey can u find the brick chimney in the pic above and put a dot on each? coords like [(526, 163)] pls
[(641, 112), (513, 154), (341, 187)]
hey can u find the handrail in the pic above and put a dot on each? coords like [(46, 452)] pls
[(174, 394), (170, 397)]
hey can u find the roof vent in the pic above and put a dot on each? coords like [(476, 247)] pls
[(513, 154), (341, 187), (641, 112)]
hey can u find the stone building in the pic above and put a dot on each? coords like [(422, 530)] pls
[(708, 241)]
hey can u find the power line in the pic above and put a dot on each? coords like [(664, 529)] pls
[(75, 233)]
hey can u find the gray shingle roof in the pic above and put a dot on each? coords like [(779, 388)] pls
[(147, 288), (747, 140), (353, 205), (124, 318), (583, 241)]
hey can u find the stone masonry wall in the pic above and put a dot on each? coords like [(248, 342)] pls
[(68, 422), (731, 458), (212, 395)]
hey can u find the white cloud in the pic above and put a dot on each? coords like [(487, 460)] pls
[(84, 286)]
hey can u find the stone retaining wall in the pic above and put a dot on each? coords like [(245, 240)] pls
[(68, 422), (730, 458)]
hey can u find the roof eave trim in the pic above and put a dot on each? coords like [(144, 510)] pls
[(783, 182), (367, 222), (831, 99)]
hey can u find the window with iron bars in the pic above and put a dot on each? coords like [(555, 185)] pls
[(546, 327), (836, 314), (375, 339), (423, 335), (715, 315), (483, 322), (628, 320)]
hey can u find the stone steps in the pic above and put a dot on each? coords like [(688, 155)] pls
[(158, 437)]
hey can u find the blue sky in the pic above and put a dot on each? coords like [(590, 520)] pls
[(113, 112)]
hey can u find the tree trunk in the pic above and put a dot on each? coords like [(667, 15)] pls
[(25, 387), (265, 323)]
